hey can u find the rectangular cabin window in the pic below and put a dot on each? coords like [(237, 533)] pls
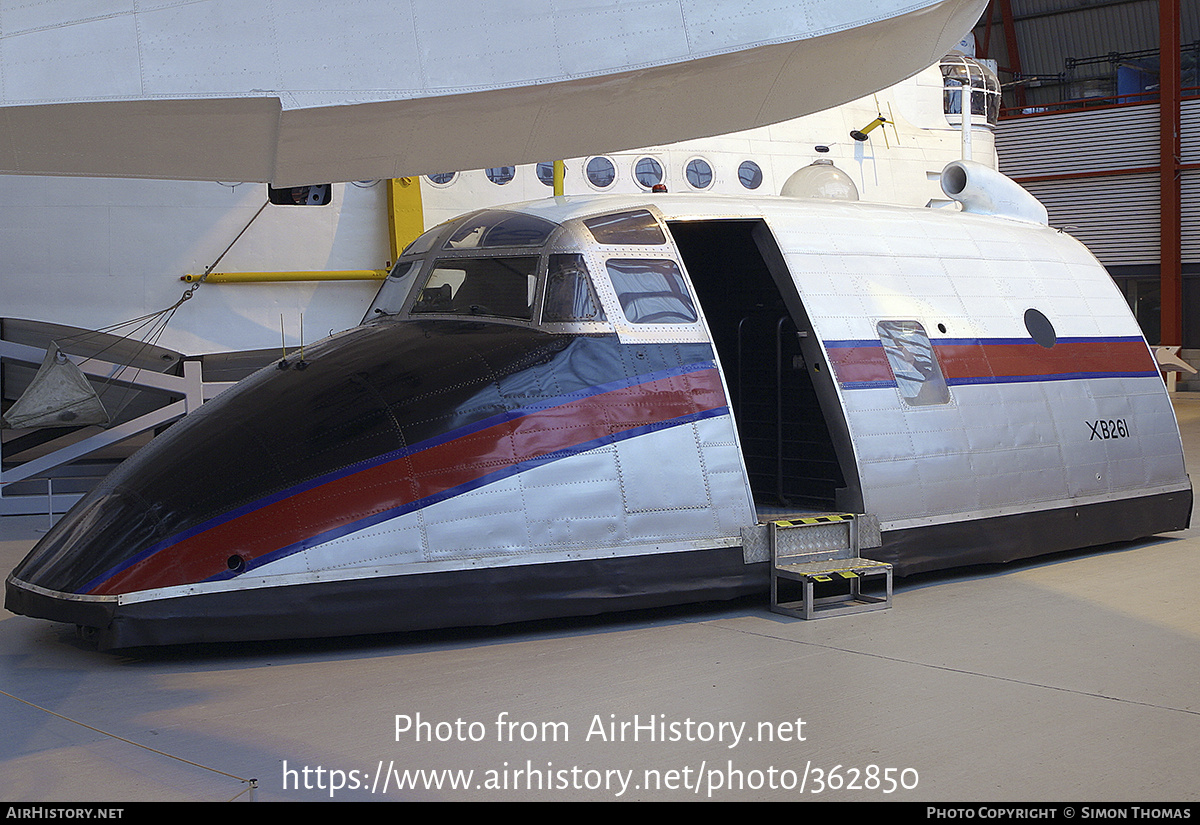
[(569, 293), (651, 291), (914, 363), (499, 287), (315, 195)]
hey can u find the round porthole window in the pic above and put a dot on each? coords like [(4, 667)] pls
[(648, 172), (501, 175), (699, 173), (1040, 329), (750, 175), (441, 178), (601, 172), (545, 173)]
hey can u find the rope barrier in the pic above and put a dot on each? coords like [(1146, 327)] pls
[(251, 784)]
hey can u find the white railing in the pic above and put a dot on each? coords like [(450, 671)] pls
[(190, 385)]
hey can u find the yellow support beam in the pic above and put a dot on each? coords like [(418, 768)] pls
[(406, 217), (282, 277)]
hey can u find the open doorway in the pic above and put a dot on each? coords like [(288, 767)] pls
[(790, 455)]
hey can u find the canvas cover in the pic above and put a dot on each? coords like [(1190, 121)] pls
[(58, 396)]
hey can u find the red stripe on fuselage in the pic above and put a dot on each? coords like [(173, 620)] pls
[(968, 362), (860, 364), (426, 472)]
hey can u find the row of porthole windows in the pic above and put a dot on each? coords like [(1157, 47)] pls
[(601, 173)]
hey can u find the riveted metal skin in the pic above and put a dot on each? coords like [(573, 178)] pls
[(974, 389)]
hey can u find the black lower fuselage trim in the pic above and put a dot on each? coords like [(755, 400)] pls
[(1008, 538), (488, 596), (482, 596)]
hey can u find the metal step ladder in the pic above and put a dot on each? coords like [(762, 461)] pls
[(821, 553)]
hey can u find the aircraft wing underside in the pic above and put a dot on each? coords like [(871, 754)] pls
[(315, 93)]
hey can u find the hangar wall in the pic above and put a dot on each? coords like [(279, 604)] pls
[(1080, 129)]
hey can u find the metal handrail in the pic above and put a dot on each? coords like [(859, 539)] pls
[(1090, 104)]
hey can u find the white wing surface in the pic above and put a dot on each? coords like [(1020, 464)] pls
[(307, 91)]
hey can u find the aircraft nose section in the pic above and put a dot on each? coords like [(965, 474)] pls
[(102, 533), (280, 459), (74, 553)]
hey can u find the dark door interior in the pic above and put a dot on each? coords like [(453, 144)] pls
[(789, 453)]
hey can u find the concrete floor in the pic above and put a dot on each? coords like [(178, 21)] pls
[(1070, 678)]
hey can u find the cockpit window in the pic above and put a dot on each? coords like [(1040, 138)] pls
[(394, 290), (638, 227), (651, 291), (494, 228), (569, 294), (424, 242), (498, 287)]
